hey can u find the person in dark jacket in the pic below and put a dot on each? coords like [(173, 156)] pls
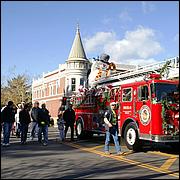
[(69, 118), (24, 119), (46, 112), (43, 121), (7, 118), (34, 116)]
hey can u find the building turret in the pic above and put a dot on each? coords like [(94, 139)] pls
[(77, 66), (77, 51)]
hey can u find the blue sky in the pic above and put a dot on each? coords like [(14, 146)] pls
[(37, 36)]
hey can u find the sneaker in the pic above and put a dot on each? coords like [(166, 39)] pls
[(3, 144), (44, 144), (107, 153), (120, 153), (31, 138)]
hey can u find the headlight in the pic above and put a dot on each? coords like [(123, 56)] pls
[(176, 116)]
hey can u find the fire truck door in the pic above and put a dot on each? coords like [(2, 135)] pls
[(143, 109), (126, 106)]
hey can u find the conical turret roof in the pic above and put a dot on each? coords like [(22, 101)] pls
[(77, 51)]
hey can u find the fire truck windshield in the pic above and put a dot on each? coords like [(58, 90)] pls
[(162, 91)]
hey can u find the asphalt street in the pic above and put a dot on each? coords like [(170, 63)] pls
[(84, 159)]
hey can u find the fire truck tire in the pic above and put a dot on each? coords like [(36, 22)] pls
[(79, 129), (131, 137)]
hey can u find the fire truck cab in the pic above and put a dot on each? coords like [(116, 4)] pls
[(149, 110)]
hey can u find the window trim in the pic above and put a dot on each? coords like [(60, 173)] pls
[(131, 94), (141, 97)]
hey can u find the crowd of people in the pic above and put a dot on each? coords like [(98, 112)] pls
[(39, 118), (23, 116)]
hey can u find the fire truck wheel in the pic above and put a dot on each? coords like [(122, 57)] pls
[(131, 137), (79, 129)]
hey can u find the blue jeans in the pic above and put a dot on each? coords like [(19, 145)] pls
[(33, 131), (6, 131), (24, 131), (116, 141), (44, 130)]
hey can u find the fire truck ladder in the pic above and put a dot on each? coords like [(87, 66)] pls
[(139, 72)]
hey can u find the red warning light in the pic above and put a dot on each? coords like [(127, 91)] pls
[(64, 101)]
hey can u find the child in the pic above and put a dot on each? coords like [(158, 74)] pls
[(60, 123)]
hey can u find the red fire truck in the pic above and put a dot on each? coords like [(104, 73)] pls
[(147, 109)]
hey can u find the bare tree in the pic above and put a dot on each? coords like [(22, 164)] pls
[(18, 89)]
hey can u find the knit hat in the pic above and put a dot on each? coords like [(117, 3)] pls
[(113, 103)]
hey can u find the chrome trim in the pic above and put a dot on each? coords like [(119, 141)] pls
[(159, 138)]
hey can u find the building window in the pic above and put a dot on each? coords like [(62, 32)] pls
[(45, 92), (50, 89), (42, 90), (35, 96), (57, 86), (40, 93), (73, 84), (37, 93), (82, 81)]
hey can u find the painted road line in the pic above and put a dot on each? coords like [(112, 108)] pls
[(168, 163), (128, 153), (96, 147), (123, 159)]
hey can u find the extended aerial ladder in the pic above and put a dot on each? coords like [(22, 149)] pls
[(139, 73)]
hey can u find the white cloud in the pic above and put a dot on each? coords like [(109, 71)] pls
[(139, 46), (148, 7), (125, 17), (98, 40)]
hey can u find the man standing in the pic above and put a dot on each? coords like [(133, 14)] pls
[(46, 113), (43, 121), (7, 118), (24, 119), (110, 119), (34, 116), (69, 118)]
